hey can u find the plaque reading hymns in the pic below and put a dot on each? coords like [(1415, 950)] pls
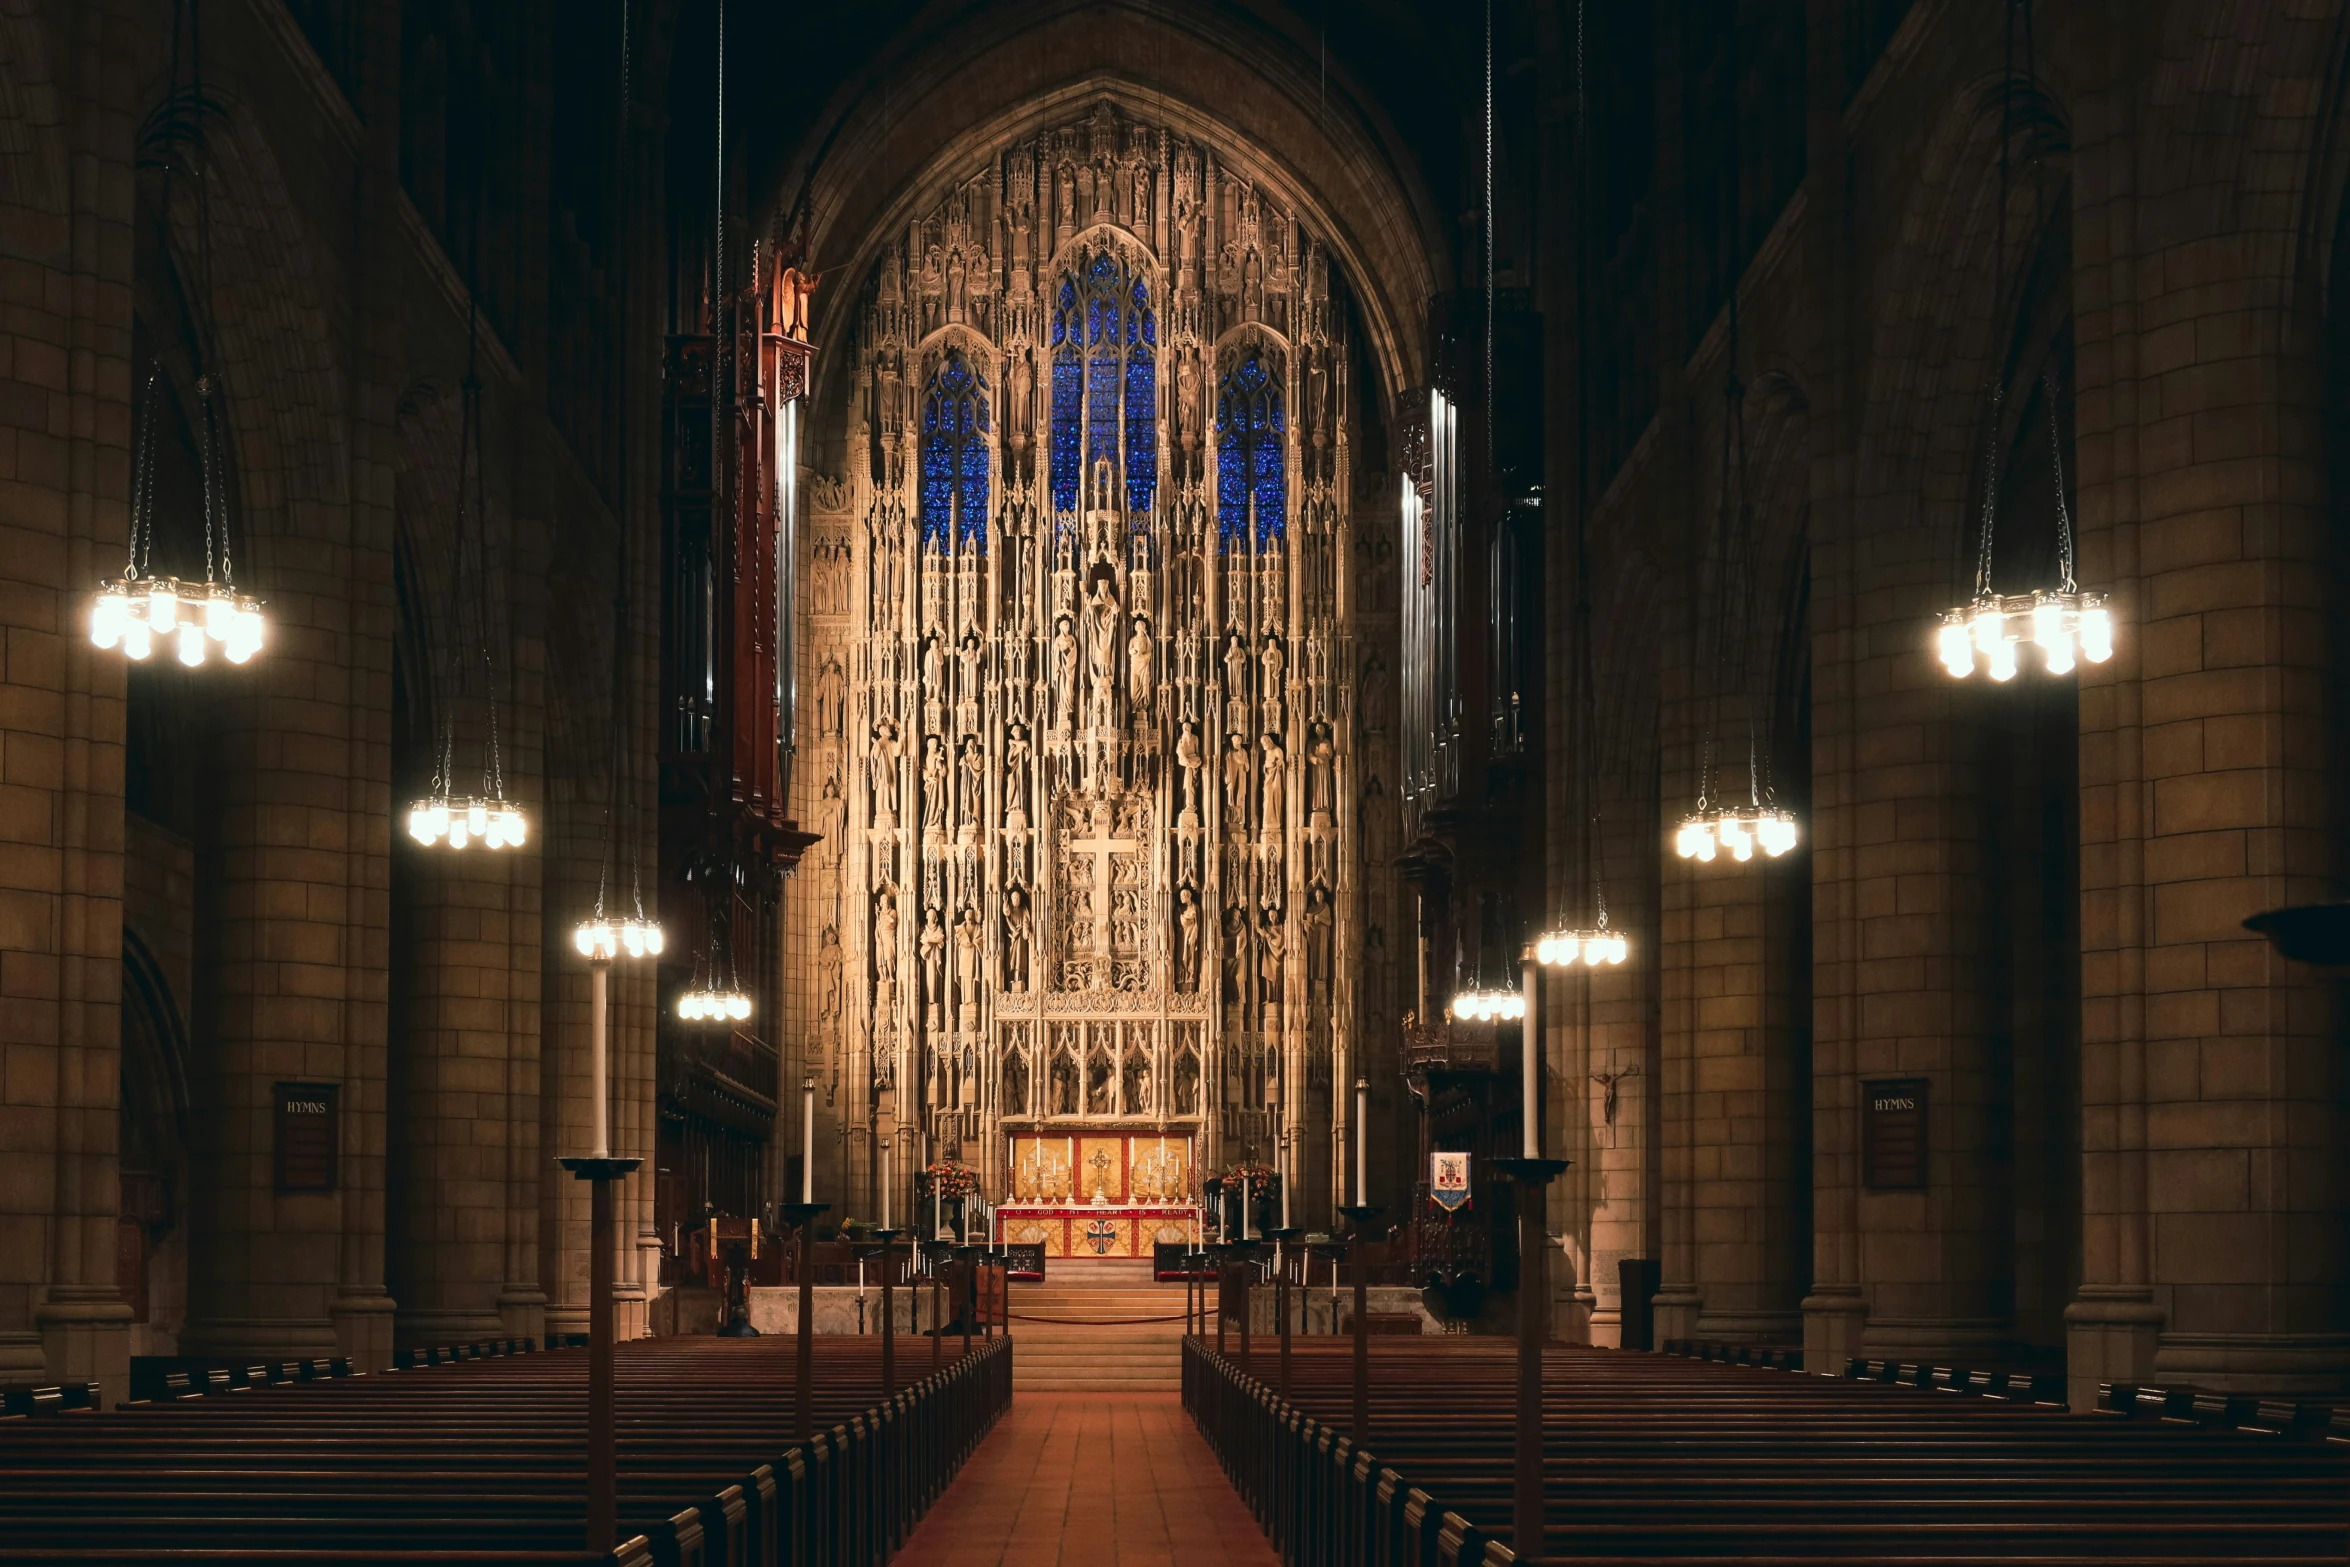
[(1893, 1143), (306, 1144)]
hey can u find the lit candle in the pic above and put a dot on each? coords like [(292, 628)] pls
[(1362, 1120), (1530, 1075), (807, 1139)]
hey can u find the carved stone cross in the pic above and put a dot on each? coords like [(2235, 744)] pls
[(1102, 846)]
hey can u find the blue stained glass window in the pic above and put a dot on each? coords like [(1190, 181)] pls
[(1105, 386), (1250, 460), (1068, 397), (954, 457)]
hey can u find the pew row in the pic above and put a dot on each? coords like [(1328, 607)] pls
[(1659, 1459), (484, 1460)]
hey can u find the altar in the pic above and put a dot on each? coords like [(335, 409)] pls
[(1099, 1194)]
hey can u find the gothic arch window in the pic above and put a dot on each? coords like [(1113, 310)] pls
[(1105, 407), (954, 457), (1250, 471)]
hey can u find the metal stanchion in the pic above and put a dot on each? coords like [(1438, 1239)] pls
[(1285, 1240), (1359, 1219), (603, 1463), (803, 1216)]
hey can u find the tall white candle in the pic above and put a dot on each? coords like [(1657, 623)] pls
[(807, 1139), (1246, 1183), (1362, 1121), (885, 1183), (1285, 1180), (935, 1220), (599, 1071), (1530, 1064)]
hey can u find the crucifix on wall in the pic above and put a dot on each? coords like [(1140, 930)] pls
[(1102, 847)]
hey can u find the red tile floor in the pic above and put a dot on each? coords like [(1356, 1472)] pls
[(1090, 1480)]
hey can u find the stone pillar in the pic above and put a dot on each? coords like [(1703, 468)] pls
[(2211, 1180), (67, 342)]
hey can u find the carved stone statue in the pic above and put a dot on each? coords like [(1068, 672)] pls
[(1235, 679), (1139, 684), (967, 954), (828, 997), (1274, 776), (1101, 652), (884, 771), (932, 944), (1318, 944), (1064, 673), (934, 784), (1019, 930), (1273, 661), (1187, 764), (885, 936), (1187, 935), (1321, 763), (1270, 939), (973, 763), (1236, 771)]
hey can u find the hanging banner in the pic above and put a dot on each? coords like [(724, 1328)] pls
[(1448, 1180)]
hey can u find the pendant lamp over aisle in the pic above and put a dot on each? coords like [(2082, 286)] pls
[(2065, 625), (1719, 826), (140, 610)]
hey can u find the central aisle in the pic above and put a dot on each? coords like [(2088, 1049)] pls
[(1090, 1480)]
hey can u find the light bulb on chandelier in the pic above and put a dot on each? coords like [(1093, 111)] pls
[(713, 1006), (132, 612), (2063, 625)]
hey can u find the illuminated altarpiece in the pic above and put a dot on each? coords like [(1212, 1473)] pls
[(1081, 657)]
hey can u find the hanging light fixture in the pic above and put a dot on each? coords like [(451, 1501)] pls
[(1484, 1004), (443, 817), (706, 1000), (2065, 625), (602, 938), (140, 611)]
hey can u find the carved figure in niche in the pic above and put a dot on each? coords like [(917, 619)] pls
[(1274, 777), (1235, 678), (1187, 763), (1273, 660), (1186, 410), (830, 809), (1318, 944), (831, 699), (1235, 952), (1320, 760), (1374, 697), (1016, 759), (884, 762), (1375, 821), (934, 784), (967, 954), (933, 944), (1271, 940), (1015, 1083), (974, 762), (1236, 771), (885, 943), (1018, 405), (1064, 673), (932, 667), (968, 654), (1187, 935), (1064, 1085), (1097, 1084), (1138, 667), (1019, 929), (1139, 216), (1138, 1083), (1101, 652), (828, 974)]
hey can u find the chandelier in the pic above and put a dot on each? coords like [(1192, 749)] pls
[(602, 940), (141, 609), (710, 1005), (444, 817), (2067, 625), (1590, 947), (706, 999), (1738, 829), (1485, 1005)]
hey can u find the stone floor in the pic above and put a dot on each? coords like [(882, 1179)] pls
[(1090, 1480)]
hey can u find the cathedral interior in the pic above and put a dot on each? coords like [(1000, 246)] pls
[(1096, 630)]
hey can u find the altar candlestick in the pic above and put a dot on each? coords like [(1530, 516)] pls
[(807, 1139), (1362, 1118), (1284, 1184), (935, 1221), (885, 1172), (599, 1072), (1247, 1190), (1069, 1176), (1529, 1064)]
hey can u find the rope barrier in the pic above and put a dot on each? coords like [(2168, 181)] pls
[(1094, 1322)]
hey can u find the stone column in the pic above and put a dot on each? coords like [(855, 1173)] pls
[(2211, 1183), (67, 346)]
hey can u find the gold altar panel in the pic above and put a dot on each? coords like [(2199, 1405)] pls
[(1040, 1169), (1101, 1170), (1036, 1232), (1168, 1232), (1158, 1169), (1101, 1237)]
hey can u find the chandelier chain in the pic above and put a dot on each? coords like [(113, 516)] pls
[(2064, 516)]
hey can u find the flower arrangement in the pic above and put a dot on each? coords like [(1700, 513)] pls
[(950, 1180), (1257, 1175)]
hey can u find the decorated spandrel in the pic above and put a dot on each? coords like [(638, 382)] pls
[(1089, 646)]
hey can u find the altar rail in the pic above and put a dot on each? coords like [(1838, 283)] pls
[(482, 1462)]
